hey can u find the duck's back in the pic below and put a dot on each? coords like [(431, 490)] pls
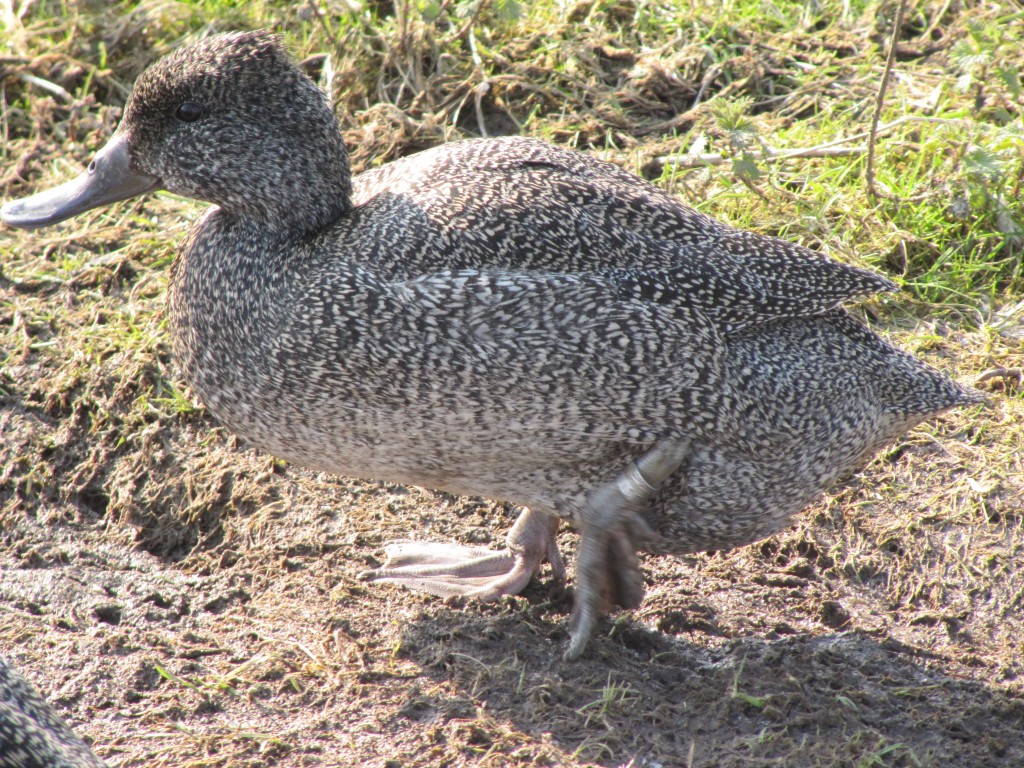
[(523, 204)]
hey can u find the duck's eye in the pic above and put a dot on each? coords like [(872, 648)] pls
[(188, 112)]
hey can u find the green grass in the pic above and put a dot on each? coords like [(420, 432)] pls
[(605, 77)]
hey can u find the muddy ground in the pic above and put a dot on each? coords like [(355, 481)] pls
[(184, 600)]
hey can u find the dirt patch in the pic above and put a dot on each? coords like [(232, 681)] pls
[(266, 650)]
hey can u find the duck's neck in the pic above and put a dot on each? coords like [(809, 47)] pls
[(307, 194)]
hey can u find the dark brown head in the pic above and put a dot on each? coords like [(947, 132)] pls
[(231, 120)]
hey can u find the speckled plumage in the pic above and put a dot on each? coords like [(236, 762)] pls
[(507, 319), (31, 733)]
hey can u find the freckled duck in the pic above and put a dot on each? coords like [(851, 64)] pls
[(32, 735), (500, 318)]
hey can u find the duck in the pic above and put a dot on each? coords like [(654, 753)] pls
[(32, 735), (501, 318)]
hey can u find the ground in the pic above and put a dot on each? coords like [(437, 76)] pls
[(184, 600)]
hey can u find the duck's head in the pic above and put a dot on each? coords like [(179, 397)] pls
[(231, 120)]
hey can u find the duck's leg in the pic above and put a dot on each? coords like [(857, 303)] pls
[(611, 530), (447, 570)]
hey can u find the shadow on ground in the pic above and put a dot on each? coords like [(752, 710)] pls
[(640, 697)]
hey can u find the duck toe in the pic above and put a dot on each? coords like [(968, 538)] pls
[(450, 570)]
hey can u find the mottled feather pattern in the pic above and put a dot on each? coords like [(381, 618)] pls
[(521, 203), (32, 735), (261, 128), (799, 417), (509, 287)]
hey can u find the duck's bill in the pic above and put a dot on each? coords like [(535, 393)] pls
[(108, 179)]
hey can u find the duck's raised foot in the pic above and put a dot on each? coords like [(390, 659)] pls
[(449, 570), (611, 531), (607, 575)]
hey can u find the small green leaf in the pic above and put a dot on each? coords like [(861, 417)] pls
[(1010, 75), (745, 167), (753, 701), (982, 163)]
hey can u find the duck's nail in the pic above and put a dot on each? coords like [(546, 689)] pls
[(108, 179)]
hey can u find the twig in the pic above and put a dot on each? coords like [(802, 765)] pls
[(767, 156), (46, 85), (1004, 374), (470, 22), (710, 75), (888, 127), (483, 87), (937, 20), (828, 149), (880, 100)]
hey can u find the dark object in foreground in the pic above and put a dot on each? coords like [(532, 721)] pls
[(31, 733), (501, 318)]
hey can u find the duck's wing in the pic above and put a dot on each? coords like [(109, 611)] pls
[(520, 204), (477, 349)]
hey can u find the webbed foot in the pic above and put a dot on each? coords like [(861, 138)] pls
[(447, 570), (612, 529)]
